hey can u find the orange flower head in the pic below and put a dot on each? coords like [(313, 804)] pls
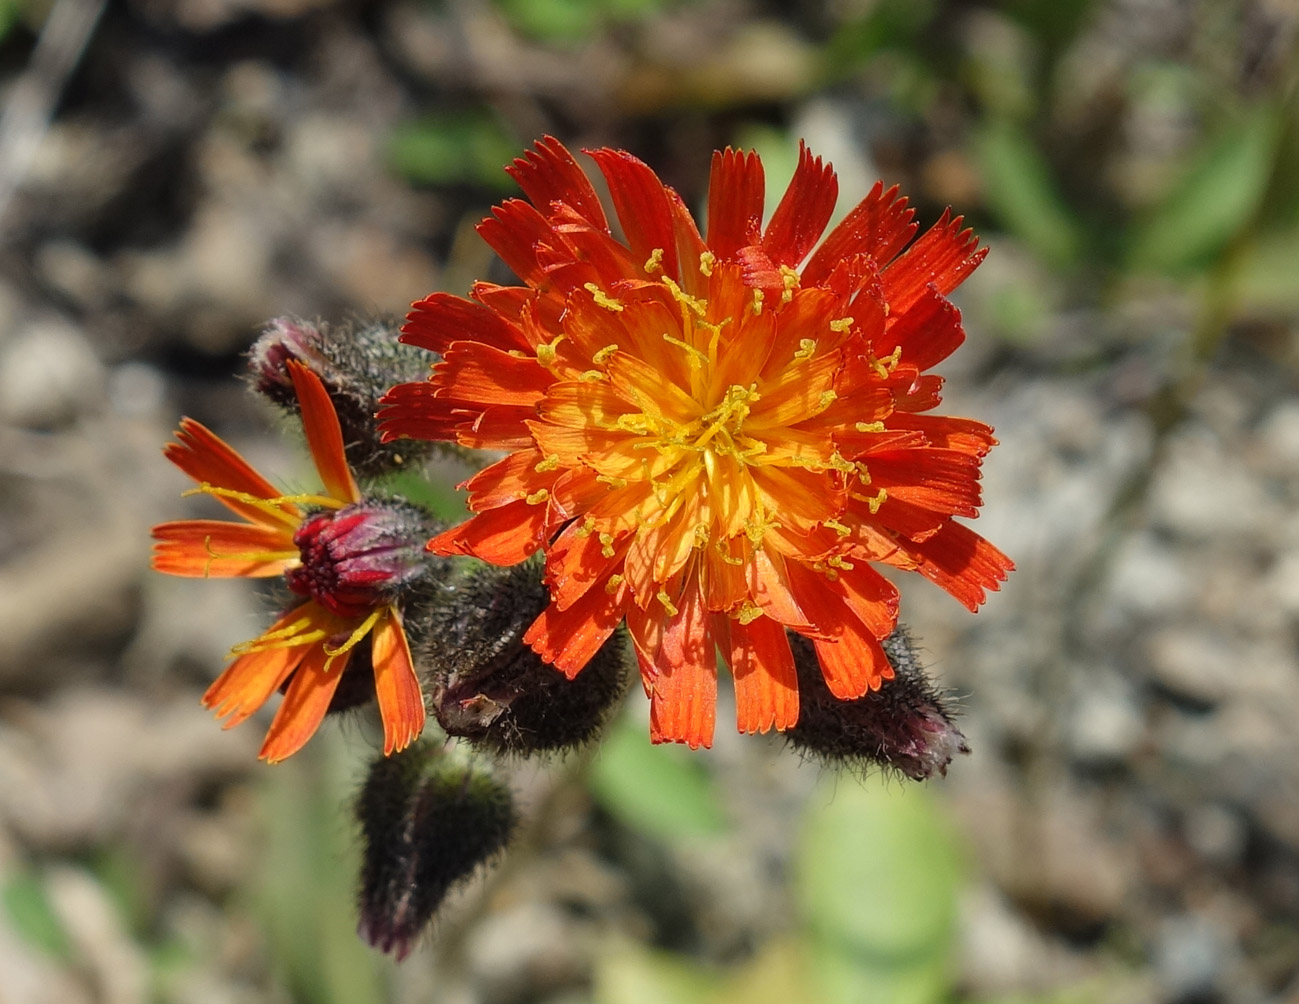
[(716, 439), (347, 555)]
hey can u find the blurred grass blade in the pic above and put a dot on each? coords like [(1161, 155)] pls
[(1216, 198), (661, 791), (878, 875), (1020, 191)]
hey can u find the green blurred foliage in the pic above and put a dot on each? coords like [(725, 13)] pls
[(28, 910), (573, 20), (665, 792), (455, 148)]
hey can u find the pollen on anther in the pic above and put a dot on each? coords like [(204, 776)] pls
[(551, 463), (537, 497), (606, 545), (758, 297), (666, 600), (869, 426), (605, 354), (806, 348), (612, 585), (655, 262), (706, 262), (602, 299), (842, 324), (748, 612)]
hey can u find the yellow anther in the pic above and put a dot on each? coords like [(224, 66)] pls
[(537, 497), (874, 502), (592, 376), (869, 426), (605, 354), (587, 528), (697, 356), (654, 263), (724, 549), (756, 528), (637, 422), (863, 472), (827, 398), (602, 299), (606, 545), (841, 463), (747, 612), (701, 534), (612, 585), (546, 355), (806, 348), (885, 367), (699, 307), (666, 600), (837, 527), (841, 325), (706, 262), (823, 568), (551, 463), (791, 280), (837, 561), (758, 297), (614, 483)]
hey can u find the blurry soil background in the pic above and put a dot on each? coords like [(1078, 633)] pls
[(175, 172)]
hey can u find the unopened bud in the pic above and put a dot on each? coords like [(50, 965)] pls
[(905, 725), (486, 686), (427, 823), (357, 362), (361, 556)]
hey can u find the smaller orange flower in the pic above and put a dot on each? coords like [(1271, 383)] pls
[(346, 555)]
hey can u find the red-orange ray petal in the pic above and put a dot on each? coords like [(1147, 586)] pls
[(944, 255), (514, 231), (804, 210), (879, 226), (211, 548), (683, 701), (548, 173), (401, 706), (503, 536), (853, 663), (324, 435), (641, 204), (472, 371), (209, 459), (414, 411), (569, 638), (948, 433), (927, 333), (508, 480), (961, 562), (766, 683), (440, 319), (735, 202), (304, 704), (252, 678)]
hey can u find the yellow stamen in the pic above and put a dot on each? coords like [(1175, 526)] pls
[(869, 426), (587, 527), (758, 297), (612, 585), (806, 348), (354, 638), (551, 463), (603, 299), (706, 262), (592, 376), (700, 307), (837, 527), (213, 554), (613, 482), (605, 354), (271, 505), (827, 398), (537, 497), (655, 262), (747, 612), (841, 325), (606, 545), (791, 281), (885, 367), (873, 502), (666, 600)]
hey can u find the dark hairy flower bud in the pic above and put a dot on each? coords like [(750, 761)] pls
[(905, 725), (427, 823), (486, 686), (357, 361), (361, 556)]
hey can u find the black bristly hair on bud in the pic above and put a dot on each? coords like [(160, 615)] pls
[(904, 726), (484, 685), (357, 360), (427, 823)]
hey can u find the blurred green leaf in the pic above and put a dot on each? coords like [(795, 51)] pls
[(435, 494), (454, 148), (662, 791), (31, 915), (305, 890), (1216, 197), (572, 20), (636, 975), (889, 24), (878, 876), (1019, 189)]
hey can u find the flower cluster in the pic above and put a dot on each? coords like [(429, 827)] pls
[(713, 438)]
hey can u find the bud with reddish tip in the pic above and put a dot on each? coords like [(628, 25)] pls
[(357, 362), (905, 725), (486, 686), (363, 555), (427, 823)]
